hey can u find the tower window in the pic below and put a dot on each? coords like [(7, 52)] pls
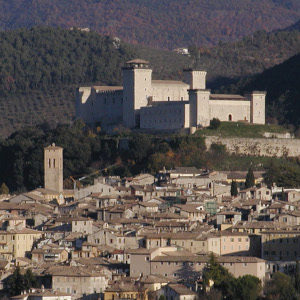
[(49, 163), (53, 163), (230, 118)]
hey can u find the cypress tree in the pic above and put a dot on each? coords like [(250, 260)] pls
[(233, 189), (250, 180)]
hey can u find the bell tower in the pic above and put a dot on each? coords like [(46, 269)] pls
[(53, 168)]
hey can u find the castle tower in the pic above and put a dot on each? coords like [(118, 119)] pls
[(257, 107), (199, 107), (137, 88), (195, 78), (53, 168)]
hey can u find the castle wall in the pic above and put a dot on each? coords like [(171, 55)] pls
[(83, 110), (168, 115), (164, 90), (258, 146), (107, 107), (93, 105), (222, 109)]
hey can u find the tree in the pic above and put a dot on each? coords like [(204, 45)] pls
[(214, 123), (233, 189), (280, 287), (15, 283), (247, 287), (250, 180), (4, 189), (29, 280), (218, 274)]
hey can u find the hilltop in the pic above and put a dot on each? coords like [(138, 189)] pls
[(41, 67), (157, 23)]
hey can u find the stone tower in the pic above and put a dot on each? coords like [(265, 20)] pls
[(257, 107), (195, 78), (53, 168), (199, 107), (137, 90)]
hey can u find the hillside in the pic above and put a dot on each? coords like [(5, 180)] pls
[(41, 67), (283, 90), (156, 23)]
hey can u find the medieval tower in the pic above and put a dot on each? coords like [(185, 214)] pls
[(137, 77), (53, 168)]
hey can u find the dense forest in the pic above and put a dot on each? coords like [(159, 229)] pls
[(156, 23), (41, 67), (87, 152), (282, 83)]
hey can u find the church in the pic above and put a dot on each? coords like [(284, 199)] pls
[(164, 104)]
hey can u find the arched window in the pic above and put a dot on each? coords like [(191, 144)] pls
[(49, 163), (230, 118)]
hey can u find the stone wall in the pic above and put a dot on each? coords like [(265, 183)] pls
[(258, 146)]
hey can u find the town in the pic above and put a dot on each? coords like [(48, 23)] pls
[(145, 237)]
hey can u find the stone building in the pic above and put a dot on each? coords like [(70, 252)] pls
[(164, 104), (53, 168), (171, 263)]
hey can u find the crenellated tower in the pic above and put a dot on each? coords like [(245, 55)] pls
[(137, 89)]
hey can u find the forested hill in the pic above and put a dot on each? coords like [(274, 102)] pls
[(41, 67), (157, 23), (282, 84)]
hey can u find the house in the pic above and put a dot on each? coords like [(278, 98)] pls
[(280, 245), (289, 218), (193, 212), (42, 294), (171, 263), (49, 254), (126, 289), (77, 281), (83, 225), (228, 218), (177, 291), (16, 243)]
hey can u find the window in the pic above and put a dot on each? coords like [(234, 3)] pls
[(230, 117)]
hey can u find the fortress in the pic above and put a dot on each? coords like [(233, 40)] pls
[(164, 104)]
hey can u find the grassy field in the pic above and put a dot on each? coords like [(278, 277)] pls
[(239, 129)]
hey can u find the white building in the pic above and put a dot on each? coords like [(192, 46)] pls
[(164, 104)]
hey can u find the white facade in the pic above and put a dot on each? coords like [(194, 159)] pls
[(165, 104)]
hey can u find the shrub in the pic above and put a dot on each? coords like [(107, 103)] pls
[(214, 123)]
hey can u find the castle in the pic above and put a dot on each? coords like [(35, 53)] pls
[(164, 104)]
